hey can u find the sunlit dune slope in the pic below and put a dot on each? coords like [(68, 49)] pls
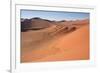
[(74, 46), (71, 46)]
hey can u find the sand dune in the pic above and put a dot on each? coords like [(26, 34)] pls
[(55, 44), (74, 46)]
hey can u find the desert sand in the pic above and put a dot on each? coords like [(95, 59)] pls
[(62, 42)]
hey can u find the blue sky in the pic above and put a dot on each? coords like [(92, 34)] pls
[(54, 15)]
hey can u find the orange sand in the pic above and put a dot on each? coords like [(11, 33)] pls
[(71, 46)]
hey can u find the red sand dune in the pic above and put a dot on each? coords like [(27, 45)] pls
[(71, 46), (74, 46)]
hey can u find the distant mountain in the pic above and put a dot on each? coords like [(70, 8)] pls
[(34, 24)]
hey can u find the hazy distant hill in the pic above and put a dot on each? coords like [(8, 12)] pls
[(34, 24)]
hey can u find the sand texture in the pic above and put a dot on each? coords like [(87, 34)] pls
[(56, 41)]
